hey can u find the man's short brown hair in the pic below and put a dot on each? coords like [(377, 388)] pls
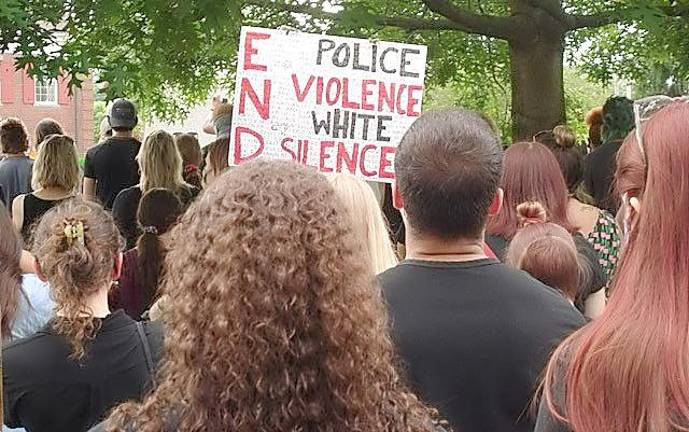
[(13, 136), (448, 169)]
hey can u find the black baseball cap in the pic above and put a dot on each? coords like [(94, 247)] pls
[(122, 114)]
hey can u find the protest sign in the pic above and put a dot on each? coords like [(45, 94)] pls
[(337, 104)]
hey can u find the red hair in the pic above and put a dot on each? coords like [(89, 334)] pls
[(628, 370), (545, 250), (531, 173)]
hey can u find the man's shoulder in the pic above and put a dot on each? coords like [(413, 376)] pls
[(95, 149), (511, 284)]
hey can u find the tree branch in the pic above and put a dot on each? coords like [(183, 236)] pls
[(610, 17), (470, 22), (384, 21)]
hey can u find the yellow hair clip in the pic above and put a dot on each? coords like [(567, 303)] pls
[(74, 230)]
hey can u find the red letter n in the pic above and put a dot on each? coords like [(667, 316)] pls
[(262, 108)]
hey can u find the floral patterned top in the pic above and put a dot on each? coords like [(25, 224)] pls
[(605, 239)]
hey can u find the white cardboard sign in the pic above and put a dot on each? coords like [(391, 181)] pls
[(337, 104)]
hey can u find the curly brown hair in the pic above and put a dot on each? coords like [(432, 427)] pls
[(75, 269), (274, 321)]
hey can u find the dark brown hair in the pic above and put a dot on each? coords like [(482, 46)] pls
[(10, 272), (45, 128), (274, 320), (13, 137), (448, 166), (190, 150), (158, 211), (76, 269), (218, 156), (531, 174), (562, 142)]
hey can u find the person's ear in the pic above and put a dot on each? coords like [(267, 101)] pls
[(397, 200), (635, 203), (38, 271), (496, 204), (117, 268)]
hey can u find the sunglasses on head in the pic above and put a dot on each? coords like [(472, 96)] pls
[(645, 109)]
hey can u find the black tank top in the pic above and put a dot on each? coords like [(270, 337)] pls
[(34, 209)]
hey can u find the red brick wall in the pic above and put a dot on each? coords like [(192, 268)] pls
[(74, 113)]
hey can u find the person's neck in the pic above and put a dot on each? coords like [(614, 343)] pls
[(14, 155), (432, 248), (52, 192), (122, 134), (96, 304)]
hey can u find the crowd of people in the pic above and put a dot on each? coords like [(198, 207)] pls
[(490, 288)]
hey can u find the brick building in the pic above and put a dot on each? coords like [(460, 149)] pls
[(32, 100)]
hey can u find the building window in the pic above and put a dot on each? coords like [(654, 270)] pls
[(46, 92)]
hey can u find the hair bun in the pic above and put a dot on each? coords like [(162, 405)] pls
[(530, 213), (565, 137)]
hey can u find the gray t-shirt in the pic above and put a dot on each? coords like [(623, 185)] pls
[(15, 178)]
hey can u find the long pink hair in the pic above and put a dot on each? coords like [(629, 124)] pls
[(531, 173), (629, 370)]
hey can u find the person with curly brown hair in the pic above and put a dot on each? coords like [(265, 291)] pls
[(274, 319), (87, 360)]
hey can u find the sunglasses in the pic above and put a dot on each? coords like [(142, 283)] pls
[(645, 109)]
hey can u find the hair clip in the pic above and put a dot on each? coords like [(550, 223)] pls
[(74, 230), (151, 230)]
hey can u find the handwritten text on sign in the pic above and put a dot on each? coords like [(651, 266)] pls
[(337, 104)]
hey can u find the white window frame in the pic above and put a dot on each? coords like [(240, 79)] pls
[(52, 83)]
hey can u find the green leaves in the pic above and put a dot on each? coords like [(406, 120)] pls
[(169, 54)]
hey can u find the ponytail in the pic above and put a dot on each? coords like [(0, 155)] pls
[(158, 211), (76, 245), (151, 254)]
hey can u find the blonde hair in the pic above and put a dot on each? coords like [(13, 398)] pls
[(564, 136), (160, 163), (368, 223), (56, 165)]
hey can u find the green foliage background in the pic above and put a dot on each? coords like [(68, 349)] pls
[(169, 54)]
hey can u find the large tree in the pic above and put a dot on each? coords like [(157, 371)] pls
[(170, 53)]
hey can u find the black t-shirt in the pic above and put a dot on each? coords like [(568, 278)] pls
[(126, 206), (599, 172), (45, 391), (112, 164), (474, 338), (34, 209)]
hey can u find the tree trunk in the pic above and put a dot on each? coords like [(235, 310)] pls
[(538, 98)]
